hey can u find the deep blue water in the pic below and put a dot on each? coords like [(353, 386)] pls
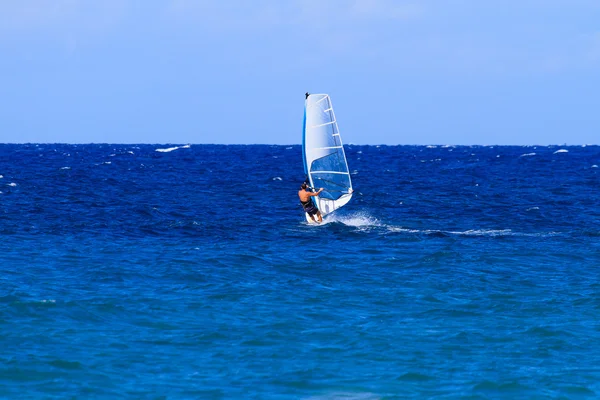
[(454, 272)]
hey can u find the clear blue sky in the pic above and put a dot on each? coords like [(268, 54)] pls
[(235, 71)]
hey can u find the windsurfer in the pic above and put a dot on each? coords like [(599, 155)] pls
[(305, 199)]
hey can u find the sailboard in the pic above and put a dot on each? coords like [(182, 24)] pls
[(325, 163)]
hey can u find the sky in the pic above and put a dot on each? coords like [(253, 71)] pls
[(462, 72)]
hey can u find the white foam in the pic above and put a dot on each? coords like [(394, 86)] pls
[(288, 148), (432, 147), (1, 177), (532, 208), (593, 166), (277, 178), (357, 220), (12, 184), (66, 168), (561, 151), (527, 155)]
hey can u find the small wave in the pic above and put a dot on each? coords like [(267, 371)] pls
[(532, 208), (432, 147), (12, 184), (345, 396), (288, 148), (277, 178), (168, 150), (1, 177), (561, 151), (594, 166), (527, 155), (66, 168)]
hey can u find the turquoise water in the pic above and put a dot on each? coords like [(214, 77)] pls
[(454, 272)]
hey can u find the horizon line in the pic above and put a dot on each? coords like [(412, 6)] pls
[(291, 144)]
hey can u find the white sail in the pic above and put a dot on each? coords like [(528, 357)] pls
[(325, 162)]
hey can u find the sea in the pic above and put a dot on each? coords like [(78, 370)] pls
[(181, 271)]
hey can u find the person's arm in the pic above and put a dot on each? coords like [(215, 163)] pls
[(315, 194)]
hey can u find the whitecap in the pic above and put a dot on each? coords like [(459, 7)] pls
[(532, 208), (432, 147), (561, 151), (1, 177), (594, 166), (527, 155), (12, 184), (288, 148), (130, 152), (359, 152), (277, 178), (66, 168), (107, 162), (167, 150)]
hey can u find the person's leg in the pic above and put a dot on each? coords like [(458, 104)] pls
[(320, 216)]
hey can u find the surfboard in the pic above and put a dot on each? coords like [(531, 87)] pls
[(325, 163)]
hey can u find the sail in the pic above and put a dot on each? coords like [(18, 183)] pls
[(325, 162)]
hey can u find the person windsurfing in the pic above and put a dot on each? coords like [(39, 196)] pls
[(309, 207)]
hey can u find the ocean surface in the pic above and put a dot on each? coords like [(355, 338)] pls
[(189, 272)]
